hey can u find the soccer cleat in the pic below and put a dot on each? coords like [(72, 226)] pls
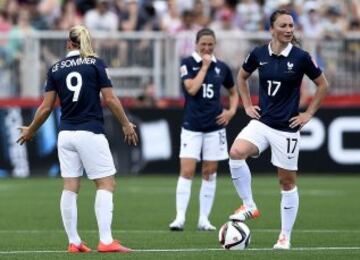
[(114, 246), (242, 214), (205, 225), (177, 225), (82, 248), (283, 243)]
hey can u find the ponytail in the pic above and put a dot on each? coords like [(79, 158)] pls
[(80, 37)]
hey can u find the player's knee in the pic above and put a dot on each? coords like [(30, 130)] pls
[(207, 173), (107, 183), (209, 176), (187, 174), (237, 154), (287, 184), (208, 169)]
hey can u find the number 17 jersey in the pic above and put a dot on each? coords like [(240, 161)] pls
[(77, 81), (280, 78)]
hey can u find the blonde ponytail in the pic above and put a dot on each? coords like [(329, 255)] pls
[(80, 36)]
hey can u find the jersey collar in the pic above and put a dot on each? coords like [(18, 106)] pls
[(285, 52), (198, 58), (73, 53)]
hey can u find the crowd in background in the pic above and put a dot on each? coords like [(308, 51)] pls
[(315, 19), (312, 17)]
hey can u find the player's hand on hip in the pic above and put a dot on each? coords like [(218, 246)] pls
[(131, 137), (25, 135), (299, 120), (253, 111), (224, 118)]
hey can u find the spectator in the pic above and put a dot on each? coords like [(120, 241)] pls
[(50, 9), (70, 16), (251, 15), (101, 18), (187, 30), (12, 10), (129, 14), (147, 19), (199, 12), (37, 20), (17, 34), (229, 49), (310, 20), (171, 19)]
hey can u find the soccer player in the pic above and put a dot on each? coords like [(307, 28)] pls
[(203, 133), (78, 80), (276, 121)]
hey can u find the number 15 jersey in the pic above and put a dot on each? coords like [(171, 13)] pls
[(202, 109), (78, 82)]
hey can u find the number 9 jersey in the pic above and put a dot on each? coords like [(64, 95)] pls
[(202, 109), (77, 81)]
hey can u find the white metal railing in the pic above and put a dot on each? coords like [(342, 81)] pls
[(137, 58)]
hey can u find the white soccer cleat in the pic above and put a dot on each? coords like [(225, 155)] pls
[(243, 213), (177, 225), (283, 243), (205, 225)]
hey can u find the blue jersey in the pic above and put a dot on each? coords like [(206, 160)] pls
[(78, 82), (202, 109), (280, 78)]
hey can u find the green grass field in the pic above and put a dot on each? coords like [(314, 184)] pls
[(328, 225)]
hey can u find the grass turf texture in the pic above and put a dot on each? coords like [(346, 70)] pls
[(327, 226)]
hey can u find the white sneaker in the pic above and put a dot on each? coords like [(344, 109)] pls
[(243, 213), (205, 225), (283, 243), (177, 225)]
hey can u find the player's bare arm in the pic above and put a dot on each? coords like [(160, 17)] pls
[(192, 86), (42, 113), (322, 88), (251, 110), (116, 108), (227, 114)]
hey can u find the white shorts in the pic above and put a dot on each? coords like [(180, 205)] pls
[(212, 146), (84, 150), (284, 145)]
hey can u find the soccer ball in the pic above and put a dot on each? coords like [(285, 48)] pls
[(234, 235)]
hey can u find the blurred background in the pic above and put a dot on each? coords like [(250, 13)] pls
[(143, 42)]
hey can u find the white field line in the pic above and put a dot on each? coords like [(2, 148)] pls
[(40, 231), (191, 250)]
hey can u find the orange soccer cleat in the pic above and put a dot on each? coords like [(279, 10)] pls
[(115, 246), (243, 213), (82, 248)]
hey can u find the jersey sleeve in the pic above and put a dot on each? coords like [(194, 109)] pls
[(250, 63), (311, 69), (228, 79), (186, 71), (104, 79), (50, 82)]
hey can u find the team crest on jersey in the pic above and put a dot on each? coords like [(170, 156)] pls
[(183, 71), (217, 71), (290, 65)]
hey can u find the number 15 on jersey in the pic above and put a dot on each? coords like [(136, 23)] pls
[(208, 91)]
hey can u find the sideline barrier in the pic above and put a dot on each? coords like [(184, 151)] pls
[(330, 143)]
